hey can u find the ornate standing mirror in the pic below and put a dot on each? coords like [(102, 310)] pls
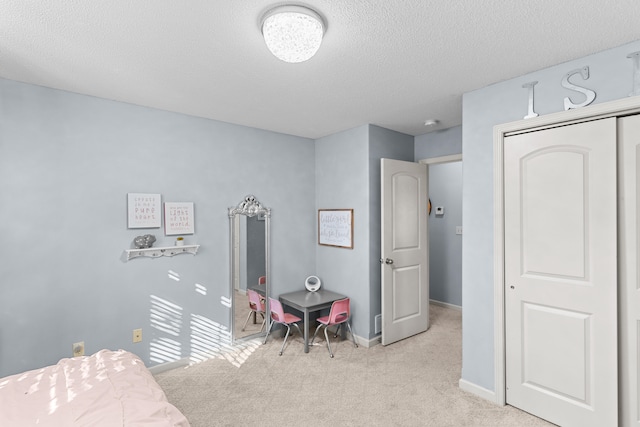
[(249, 225)]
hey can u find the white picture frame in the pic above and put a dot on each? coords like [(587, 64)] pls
[(144, 210), (178, 218)]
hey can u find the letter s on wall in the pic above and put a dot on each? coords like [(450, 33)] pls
[(591, 95)]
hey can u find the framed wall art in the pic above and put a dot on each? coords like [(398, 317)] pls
[(178, 218), (143, 210), (335, 227)]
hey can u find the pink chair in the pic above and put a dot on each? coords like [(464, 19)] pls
[(279, 316), (339, 315), (256, 305)]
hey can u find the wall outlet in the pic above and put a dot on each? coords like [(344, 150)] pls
[(78, 349), (378, 324), (137, 335), (458, 229)]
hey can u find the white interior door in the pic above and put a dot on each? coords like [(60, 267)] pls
[(561, 273), (629, 185), (405, 274)]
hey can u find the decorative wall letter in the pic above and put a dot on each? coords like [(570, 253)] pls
[(530, 112), (635, 56), (591, 95)]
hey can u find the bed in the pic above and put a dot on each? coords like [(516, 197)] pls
[(108, 388)]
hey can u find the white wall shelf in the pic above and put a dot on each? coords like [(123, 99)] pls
[(158, 252)]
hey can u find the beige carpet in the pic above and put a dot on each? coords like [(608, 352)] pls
[(410, 383)]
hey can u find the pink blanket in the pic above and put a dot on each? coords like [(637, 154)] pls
[(109, 388)]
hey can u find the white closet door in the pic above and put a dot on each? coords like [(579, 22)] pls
[(629, 163), (561, 273)]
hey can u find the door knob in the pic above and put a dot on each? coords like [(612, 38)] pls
[(388, 261)]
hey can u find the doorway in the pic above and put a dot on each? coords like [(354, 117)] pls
[(405, 246), (445, 230)]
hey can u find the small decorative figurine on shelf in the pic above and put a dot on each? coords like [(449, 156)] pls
[(144, 242), (180, 241)]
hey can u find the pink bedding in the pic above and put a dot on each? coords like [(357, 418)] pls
[(109, 388)]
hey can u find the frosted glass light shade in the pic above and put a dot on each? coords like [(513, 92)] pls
[(292, 33)]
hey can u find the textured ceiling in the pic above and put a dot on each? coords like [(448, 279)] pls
[(392, 63)]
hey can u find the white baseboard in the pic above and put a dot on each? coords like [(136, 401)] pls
[(361, 341), (445, 304), (181, 363), (368, 343), (477, 390)]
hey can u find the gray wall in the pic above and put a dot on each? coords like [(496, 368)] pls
[(445, 246), (439, 143), (342, 177), (611, 77), (67, 163)]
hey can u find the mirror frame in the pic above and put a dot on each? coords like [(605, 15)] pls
[(249, 207)]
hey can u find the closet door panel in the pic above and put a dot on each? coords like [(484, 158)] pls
[(629, 200), (561, 273)]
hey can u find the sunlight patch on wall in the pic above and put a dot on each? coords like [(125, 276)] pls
[(208, 338), (166, 316), (174, 276), (225, 301), (163, 350)]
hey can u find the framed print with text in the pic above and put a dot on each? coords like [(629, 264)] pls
[(143, 210), (335, 227), (178, 218)]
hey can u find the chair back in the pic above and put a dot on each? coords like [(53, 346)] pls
[(340, 311), (255, 301), (277, 312)]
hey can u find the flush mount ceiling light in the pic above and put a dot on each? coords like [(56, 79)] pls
[(292, 33)]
